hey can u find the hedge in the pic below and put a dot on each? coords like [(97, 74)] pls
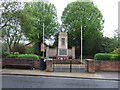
[(24, 56), (12, 56), (106, 56)]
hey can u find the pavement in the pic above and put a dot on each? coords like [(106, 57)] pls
[(98, 75)]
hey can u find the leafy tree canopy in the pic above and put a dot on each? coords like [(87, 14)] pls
[(86, 15), (35, 14), (10, 23)]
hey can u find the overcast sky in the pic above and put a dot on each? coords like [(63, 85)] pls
[(109, 9)]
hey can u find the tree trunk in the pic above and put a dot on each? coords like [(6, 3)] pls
[(10, 49)]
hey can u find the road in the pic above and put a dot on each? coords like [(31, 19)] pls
[(12, 81)]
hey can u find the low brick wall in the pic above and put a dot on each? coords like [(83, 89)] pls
[(35, 63), (93, 66), (49, 65), (90, 66)]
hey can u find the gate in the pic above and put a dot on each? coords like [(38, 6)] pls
[(73, 65)]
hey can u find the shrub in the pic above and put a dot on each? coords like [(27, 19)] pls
[(61, 62), (107, 56), (24, 56), (28, 56), (16, 53), (116, 51), (5, 54), (115, 57), (12, 56), (66, 62), (40, 56)]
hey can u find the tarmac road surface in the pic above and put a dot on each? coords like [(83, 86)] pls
[(15, 81)]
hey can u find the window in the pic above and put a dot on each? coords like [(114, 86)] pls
[(63, 41)]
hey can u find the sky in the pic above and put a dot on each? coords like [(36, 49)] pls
[(109, 9)]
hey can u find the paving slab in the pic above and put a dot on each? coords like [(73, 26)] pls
[(97, 75)]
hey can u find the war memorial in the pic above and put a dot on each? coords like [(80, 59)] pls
[(62, 51)]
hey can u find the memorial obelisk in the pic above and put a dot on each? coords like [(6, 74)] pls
[(62, 44)]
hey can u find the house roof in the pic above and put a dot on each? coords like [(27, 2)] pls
[(30, 44)]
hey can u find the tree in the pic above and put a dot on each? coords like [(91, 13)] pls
[(86, 15), (117, 36), (107, 45), (10, 24), (39, 14)]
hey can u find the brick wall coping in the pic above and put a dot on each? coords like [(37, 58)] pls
[(99, 60), (107, 60), (89, 59), (21, 58)]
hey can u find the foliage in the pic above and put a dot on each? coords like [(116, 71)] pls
[(117, 35), (116, 51), (5, 54), (10, 23), (82, 13), (29, 50), (36, 49), (87, 57), (24, 56), (35, 17), (40, 56), (16, 53), (87, 16), (19, 48), (116, 57), (12, 56), (66, 62), (4, 47), (28, 56), (107, 45), (106, 56)]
